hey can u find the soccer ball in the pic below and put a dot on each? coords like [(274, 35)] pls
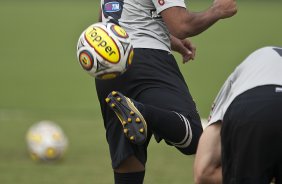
[(104, 50), (46, 141)]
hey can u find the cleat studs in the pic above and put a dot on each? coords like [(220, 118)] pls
[(119, 99), (132, 138), (125, 130), (132, 113), (114, 93), (141, 130), (129, 120), (124, 123), (113, 105), (137, 120), (107, 100)]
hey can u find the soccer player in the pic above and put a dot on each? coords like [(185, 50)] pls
[(242, 142), (157, 100)]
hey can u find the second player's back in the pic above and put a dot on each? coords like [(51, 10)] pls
[(263, 66)]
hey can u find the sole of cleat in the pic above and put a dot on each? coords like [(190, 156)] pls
[(132, 121)]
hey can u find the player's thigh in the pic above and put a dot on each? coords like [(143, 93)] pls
[(167, 99)]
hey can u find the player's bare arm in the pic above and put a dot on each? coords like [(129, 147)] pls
[(189, 24), (183, 47), (207, 166)]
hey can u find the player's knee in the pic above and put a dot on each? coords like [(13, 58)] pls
[(131, 164)]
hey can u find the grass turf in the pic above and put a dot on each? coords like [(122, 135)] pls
[(41, 79)]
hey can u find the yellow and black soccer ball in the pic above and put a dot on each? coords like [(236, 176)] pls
[(104, 50)]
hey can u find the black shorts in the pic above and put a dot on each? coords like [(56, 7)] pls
[(153, 78), (252, 137)]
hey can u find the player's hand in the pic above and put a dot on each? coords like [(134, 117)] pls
[(183, 47), (225, 8), (187, 50)]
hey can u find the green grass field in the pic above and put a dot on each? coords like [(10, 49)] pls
[(40, 78)]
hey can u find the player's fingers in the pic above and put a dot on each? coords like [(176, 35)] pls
[(186, 53), (191, 48), (189, 56), (186, 58)]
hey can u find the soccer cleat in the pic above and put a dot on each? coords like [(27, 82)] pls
[(132, 121), (125, 130), (108, 100)]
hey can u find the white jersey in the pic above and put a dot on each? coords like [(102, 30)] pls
[(141, 19), (262, 67)]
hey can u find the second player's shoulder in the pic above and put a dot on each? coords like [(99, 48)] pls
[(268, 50), (262, 55)]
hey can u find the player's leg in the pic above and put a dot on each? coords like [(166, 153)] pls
[(172, 122), (171, 117), (128, 160), (150, 69), (251, 137), (167, 104), (131, 170)]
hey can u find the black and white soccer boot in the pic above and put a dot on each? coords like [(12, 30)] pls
[(133, 122)]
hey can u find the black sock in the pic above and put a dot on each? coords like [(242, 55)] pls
[(129, 178), (173, 127), (166, 124)]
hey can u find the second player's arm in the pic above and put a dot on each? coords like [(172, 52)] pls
[(207, 165)]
